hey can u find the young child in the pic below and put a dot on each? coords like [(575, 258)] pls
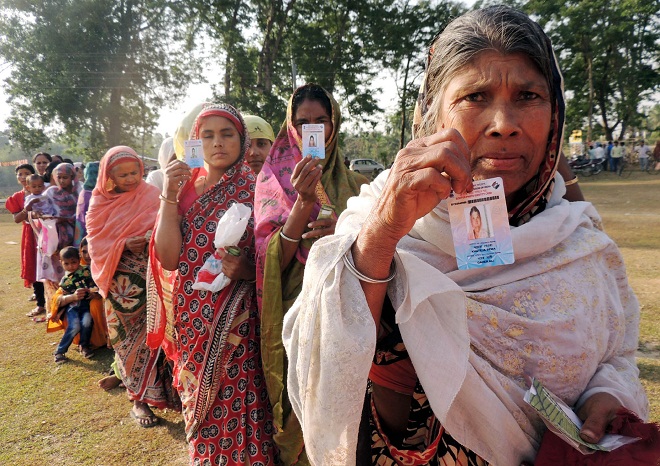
[(36, 202), (77, 286)]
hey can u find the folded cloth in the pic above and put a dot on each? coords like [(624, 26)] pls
[(645, 451)]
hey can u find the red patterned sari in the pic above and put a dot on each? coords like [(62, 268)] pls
[(214, 338)]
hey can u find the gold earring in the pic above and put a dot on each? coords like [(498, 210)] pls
[(109, 185)]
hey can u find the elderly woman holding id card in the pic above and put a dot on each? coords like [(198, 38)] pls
[(298, 199), (391, 343)]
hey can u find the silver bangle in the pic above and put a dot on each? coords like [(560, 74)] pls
[(285, 237), (362, 277)]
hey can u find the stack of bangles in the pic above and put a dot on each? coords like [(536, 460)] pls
[(571, 182), (362, 277)]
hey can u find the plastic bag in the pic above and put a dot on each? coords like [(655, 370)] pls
[(227, 235), (49, 237)]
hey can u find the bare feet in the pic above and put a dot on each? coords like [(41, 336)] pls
[(143, 415), (109, 382)]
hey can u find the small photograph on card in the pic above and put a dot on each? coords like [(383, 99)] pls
[(194, 153), (480, 226), (313, 140)]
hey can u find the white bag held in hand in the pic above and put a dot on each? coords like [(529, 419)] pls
[(227, 235)]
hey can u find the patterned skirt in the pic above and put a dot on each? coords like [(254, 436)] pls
[(144, 371)]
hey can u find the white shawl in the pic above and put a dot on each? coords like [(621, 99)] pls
[(563, 313)]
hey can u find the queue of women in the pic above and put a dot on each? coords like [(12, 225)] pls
[(354, 338)]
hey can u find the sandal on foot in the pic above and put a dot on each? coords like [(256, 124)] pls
[(86, 352), (147, 421), (39, 319), (36, 311), (60, 358), (33, 297)]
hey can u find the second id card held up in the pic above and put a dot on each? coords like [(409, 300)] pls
[(313, 140), (194, 153), (480, 226)]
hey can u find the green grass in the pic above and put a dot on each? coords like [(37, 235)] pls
[(52, 415), (57, 415)]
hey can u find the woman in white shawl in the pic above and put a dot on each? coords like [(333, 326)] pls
[(445, 355)]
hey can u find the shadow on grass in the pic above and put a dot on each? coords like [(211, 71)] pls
[(649, 371)]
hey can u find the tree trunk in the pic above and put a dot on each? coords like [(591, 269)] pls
[(337, 50), (231, 36), (404, 99), (276, 25)]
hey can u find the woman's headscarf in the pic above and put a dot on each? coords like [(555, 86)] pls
[(165, 152), (114, 217), (532, 198), (91, 174)]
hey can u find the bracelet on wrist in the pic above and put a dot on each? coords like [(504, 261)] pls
[(285, 237), (362, 277), (571, 182), (163, 198)]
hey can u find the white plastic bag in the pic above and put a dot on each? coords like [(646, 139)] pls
[(228, 233), (48, 237)]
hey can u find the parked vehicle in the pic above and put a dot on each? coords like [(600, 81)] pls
[(366, 167), (585, 166)]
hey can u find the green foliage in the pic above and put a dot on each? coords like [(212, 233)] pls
[(409, 30), (93, 67), (612, 47)]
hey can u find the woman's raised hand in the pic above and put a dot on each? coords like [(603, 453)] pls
[(306, 174), (423, 174), (177, 173)]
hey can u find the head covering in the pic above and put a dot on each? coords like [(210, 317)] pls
[(532, 198), (258, 128), (91, 174), (183, 130), (165, 152), (114, 217)]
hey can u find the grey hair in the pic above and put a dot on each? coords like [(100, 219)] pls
[(499, 28)]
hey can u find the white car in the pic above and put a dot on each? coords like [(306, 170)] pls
[(367, 167)]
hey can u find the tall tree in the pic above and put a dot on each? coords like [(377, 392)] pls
[(410, 28), (339, 44), (96, 67), (609, 53)]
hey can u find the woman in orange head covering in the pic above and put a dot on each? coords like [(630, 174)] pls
[(120, 219)]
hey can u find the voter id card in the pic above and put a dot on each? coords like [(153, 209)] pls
[(313, 140), (480, 226), (194, 153)]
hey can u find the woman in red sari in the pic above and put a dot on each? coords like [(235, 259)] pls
[(213, 338), (16, 205)]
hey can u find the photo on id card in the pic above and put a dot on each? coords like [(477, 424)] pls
[(313, 140), (480, 226), (194, 155)]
